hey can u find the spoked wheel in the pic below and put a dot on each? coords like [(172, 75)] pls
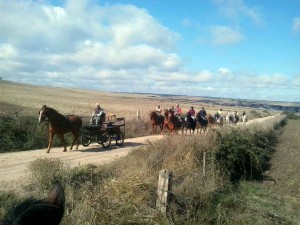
[(85, 139), (120, 138), (104, 139)]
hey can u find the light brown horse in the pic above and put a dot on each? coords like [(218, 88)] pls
[(60, 124), (156, 120)]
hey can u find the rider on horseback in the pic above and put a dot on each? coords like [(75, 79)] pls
[(158, 110), (178, 112), (202, 113), (219, 117), (192, 112)]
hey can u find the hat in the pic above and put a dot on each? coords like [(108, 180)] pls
[(192, 106), (97, 104)]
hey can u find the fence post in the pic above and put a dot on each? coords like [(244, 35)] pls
[(164, 190), (204, 164), (138, 115)]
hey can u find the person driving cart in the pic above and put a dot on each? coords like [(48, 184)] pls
[(98, 116)]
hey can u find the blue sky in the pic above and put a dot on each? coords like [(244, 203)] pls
[(247, 49)]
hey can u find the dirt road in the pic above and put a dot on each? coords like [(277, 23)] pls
[(13, 165)]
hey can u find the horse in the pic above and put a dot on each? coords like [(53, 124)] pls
[(156, 120), (48, 211), (60, 124), (244, 118), (189, 123), (171, 121), (233, 118), (211, 120), (201, 123)]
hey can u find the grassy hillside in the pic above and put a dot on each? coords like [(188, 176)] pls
[(28, 99)]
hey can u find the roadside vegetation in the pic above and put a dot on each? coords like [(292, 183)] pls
[(226, 191)]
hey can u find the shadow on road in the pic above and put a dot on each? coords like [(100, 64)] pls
[(99, 148)]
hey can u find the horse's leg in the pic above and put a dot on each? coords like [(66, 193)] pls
[(75, 138), (62, 139), (51, 135), (161, 128)]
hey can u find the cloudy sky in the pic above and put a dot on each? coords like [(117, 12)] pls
[(247, 49)]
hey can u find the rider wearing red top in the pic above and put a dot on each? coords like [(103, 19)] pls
[(192, 112)]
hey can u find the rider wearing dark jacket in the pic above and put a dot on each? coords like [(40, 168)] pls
[(202, 113)]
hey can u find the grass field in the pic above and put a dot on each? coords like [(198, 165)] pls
[(28, 99)]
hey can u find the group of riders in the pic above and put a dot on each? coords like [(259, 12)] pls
[(231, 117), (98, 115)]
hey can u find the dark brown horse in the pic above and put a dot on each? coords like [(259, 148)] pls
[(60, 124), (156, 120), (189, 123), (171, 121), (201, 123), (36, 212)]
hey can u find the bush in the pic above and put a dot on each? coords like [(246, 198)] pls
[(21, 133), (244, 154), (290, 115), (256, 114), (44, 172)]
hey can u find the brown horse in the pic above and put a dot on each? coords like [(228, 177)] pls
[(156, 120), (201, 123), (211, 120), (171, 121), (33, 212), (59, 124)]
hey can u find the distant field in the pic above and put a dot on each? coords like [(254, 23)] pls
[(28, 99)]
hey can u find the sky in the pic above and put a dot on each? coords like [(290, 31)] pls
[(244, 49)]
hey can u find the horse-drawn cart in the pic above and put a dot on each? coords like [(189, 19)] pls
[(104, 132)]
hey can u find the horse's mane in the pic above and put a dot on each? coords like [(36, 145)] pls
[(33, 212)]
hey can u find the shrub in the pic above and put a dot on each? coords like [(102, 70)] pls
[(46, 171), (244, 154), (256, 114), (291, 115), (21, 133)]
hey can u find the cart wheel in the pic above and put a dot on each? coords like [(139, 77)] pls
[(85, 139), (105, 139), (120, 139)]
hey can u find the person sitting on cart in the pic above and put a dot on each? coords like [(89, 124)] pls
[(98, 115)]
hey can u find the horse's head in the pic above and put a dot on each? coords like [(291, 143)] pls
[(152, 114), (47, 211), (166, 112), (43, 113)]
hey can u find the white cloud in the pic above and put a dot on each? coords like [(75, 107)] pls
[(224, 71), (296, 25), (235, 9), (223, 35)]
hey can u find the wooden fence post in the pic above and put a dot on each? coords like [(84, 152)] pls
[(204, 163), (164, 190), (138, 115)]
